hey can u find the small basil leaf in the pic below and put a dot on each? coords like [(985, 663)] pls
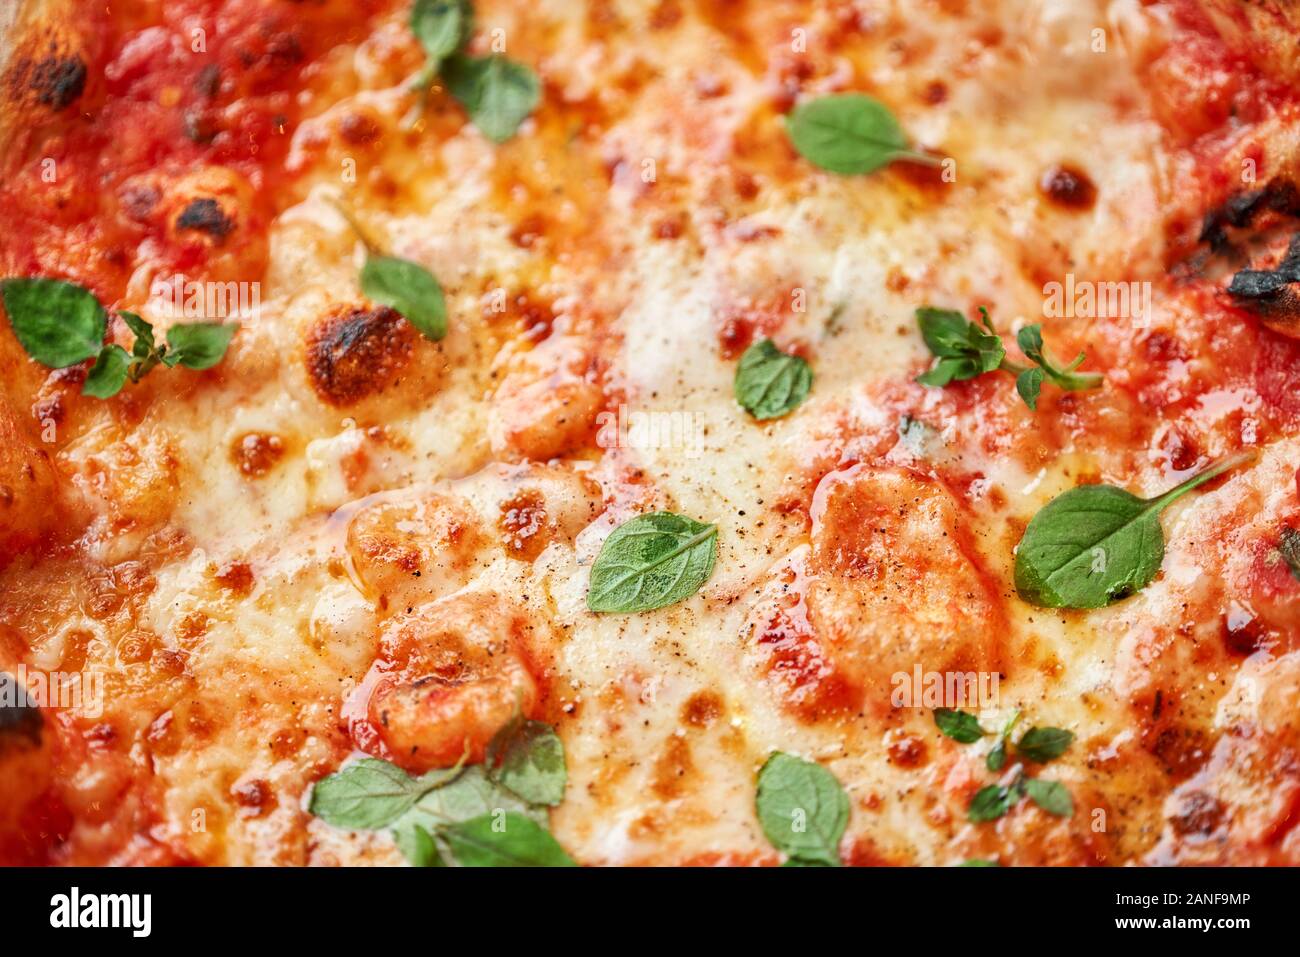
[(1289, 546), (199, 345), (498, 94), (1030, 340), (846, 133), (108, 374), (504, 840), (143, 332), (528, 758), (416, 844), (368, 794), (58, 323), (769, 383), (946, 331), (1029, 384), (978, 862), (958, 725), (410, 289), (1041, 745), (441, 26), (997, 756), (991, 802), (948, 370), (1097, 544), (1051, 796), (802, 809), (651, 561)]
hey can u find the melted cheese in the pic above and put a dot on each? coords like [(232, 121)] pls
[(234, 669)]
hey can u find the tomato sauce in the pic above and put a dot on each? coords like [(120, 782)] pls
[(172, 90)]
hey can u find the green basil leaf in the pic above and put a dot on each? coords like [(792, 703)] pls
[(802, 809), (996, 759), (1041, 745), (368, 794), (993, 801), (978, 862), (442, 27), (769, 383), (949, 370), (958, 725), (947, 333), (651, 561), (846, 133), (498, 94), (1029, 384), (1289, 546), (964, 349), (410, 289), (198, 345), (1097, 544), (470, 794), (417, 844), (58, 323), (1030, 340), (528, 758), (1051, 796), (143, 332), (108, 374), (504, 840)]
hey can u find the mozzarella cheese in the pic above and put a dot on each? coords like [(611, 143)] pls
[(597, 264)]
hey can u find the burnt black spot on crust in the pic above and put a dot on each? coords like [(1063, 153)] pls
[(18, 716), (206, 216), (1270, 292), (355, 353), (1241, 209), (58, 81)]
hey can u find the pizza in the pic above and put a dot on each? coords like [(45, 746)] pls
[(649, 432)]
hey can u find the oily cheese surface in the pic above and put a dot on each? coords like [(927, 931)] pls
[(245, 557)]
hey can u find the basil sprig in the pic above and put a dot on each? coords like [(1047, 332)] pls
[(60, 324), (400, 284), (769, 383), (1039, 745), (965, 350), (995, 800), (802, 809), (1029, 381), (489, 815), (497, 93), (652, 561), (1098, 544), (849, 133)]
